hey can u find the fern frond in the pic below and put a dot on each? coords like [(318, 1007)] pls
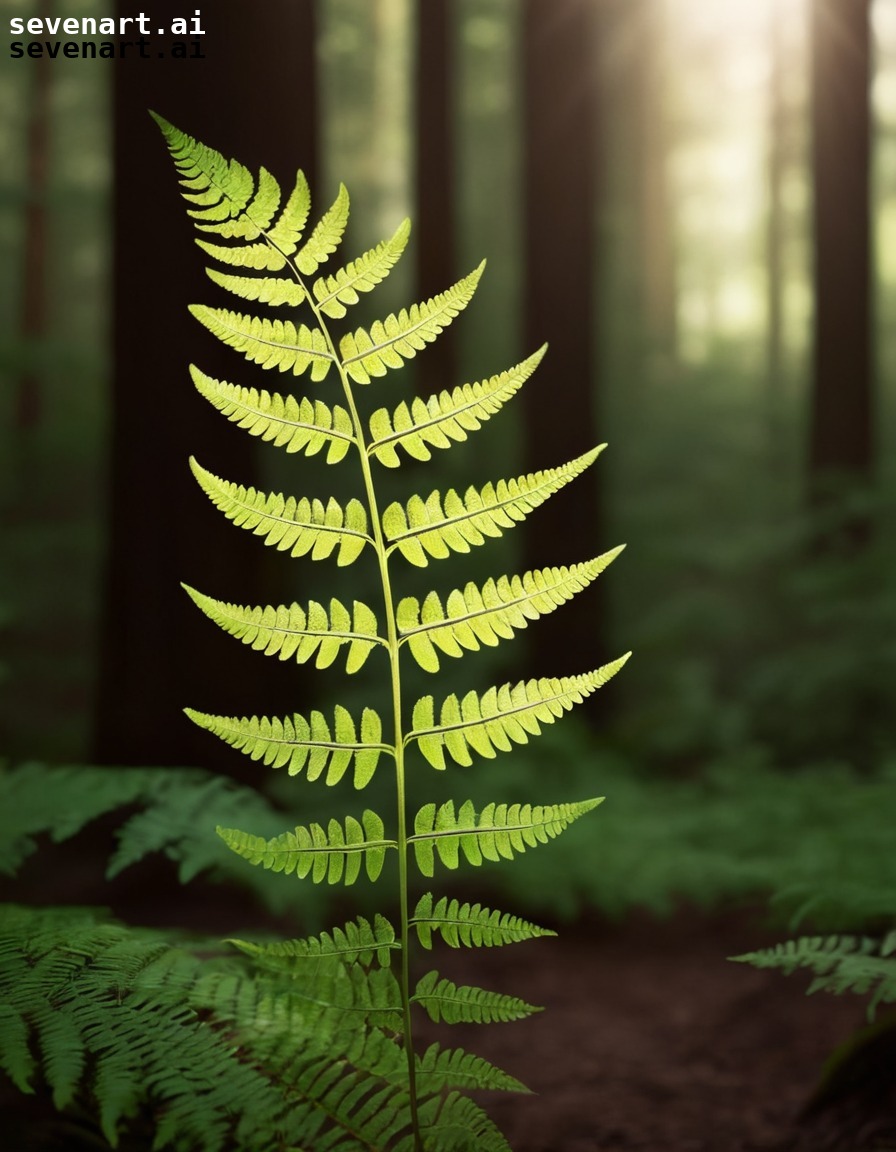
[(470, 924), (501, 716), (442, 420), (294, 742), (334, 853), (334, 293), (475, 616), (293, 631), (499, 831), (271, 343), (463, 1004), (287, 524), (359, 940), (440, 1068), (287, 233), (296, 425), (841, 964), (439, 525), (392, 341)]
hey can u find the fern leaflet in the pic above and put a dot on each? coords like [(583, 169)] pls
[(358, 941), (334, 853), (334, 294), (475, 616), (270, 343), (501, 716), (298, 632), (464, 1004), (500, 830), (470, 924)]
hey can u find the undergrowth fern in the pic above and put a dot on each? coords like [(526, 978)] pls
[(367, 967)]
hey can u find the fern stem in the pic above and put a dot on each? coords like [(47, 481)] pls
[(392, 638)]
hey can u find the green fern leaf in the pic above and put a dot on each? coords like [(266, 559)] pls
[(293, 631), (391, 342), (221, 189), (497, 833), (456, 1124), (470, 924), (333, 853), (259, 256), (326, 237), (296, 425), (286, 234), (334, 293), (464, 1004), (442, 420), (440, 525), (440, 1068), (475, 616), (296, 742), (270, 343), (298, 526), (501, 716), (15, 1055), (358, 941), (841, 963), (263, 289)]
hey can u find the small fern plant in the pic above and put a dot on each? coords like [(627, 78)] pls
[(270, 261)]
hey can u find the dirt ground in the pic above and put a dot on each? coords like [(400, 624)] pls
[(652, 1040)]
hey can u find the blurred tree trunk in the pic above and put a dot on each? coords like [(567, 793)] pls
[(254, 95), (435, 223), (841, 437), (33, 314), (777, 118), (561, 187)]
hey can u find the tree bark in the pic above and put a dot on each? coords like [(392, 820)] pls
[(252, 95), (841, 438), (435, 222), (562, 184)]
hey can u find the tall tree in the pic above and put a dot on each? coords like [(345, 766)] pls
[(255, 84), (841, 437), (561, 183), (435, 224)]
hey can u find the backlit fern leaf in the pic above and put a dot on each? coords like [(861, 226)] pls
[(475, 616), (334, 294), (294, 742), (463, 1004), (390, 342), (359, 940), (334, 853), (295, 425), (265, 289), (441, 524), (297, 632), (498, 832), (271, 343), (841, 964), (470, 924), (326, 237), (501, 716), (299, 526), (447, 418)]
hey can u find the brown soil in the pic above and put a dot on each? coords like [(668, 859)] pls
[(653, 1040)]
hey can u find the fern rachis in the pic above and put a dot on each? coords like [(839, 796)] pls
[(278, 268)]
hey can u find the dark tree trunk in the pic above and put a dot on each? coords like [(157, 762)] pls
[(252, 95), (561, 185), (33, 314), (435, 224), (841, 441)]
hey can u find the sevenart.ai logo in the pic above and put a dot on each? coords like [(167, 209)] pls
[(108, 37)]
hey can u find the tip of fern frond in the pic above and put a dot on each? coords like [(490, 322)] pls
[(166, 126)]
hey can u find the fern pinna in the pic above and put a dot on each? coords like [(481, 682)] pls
[(247, 228)]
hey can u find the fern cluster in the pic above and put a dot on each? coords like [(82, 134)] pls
[(248, 227)]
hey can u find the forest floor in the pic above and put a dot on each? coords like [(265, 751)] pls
[(652, 1040)]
